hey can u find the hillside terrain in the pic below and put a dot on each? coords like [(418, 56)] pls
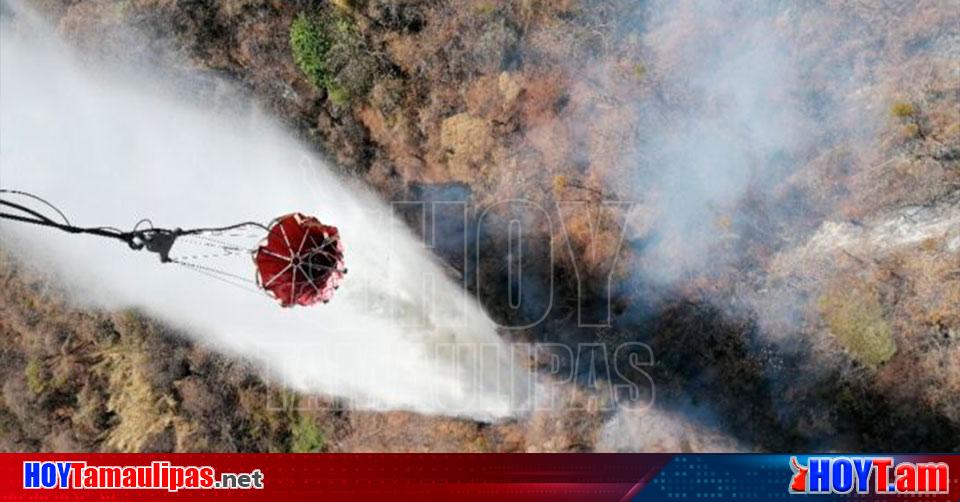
[(769, 193)]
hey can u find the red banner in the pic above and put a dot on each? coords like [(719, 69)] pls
[(422, 477)]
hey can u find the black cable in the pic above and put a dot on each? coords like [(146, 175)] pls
[(43, 201), (157, 240), (123, 236), (25, 209)]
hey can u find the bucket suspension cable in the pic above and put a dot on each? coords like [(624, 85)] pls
[(299, 260), (153, 239)]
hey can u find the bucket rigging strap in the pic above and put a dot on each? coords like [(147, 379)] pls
[(143, 235)]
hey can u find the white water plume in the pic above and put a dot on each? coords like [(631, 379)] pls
[(109, 150)]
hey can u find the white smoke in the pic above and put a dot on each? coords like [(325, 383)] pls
[(109, 150), (656, 430), (724, 116)]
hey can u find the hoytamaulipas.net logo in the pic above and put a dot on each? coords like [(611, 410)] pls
[(159, 475), (868, 475)]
